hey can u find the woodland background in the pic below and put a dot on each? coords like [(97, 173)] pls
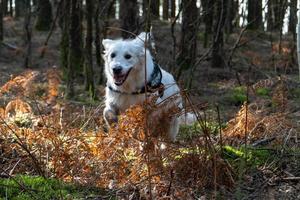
[(236, 62)]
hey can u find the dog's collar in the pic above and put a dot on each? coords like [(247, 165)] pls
[(153, 85)]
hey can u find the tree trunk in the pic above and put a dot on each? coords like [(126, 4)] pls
[(4, 7), (154, 7), (188, 43), (293, 18), (279, 12), (218, 41), (1, 21), (232, 11), (112, 9), (20, 8), (64, 43), (208, 10), (270, 16), (74, 52), (98, 40), (254, 17), (129, 18), (28, 34), (88, 67), (165, 9), (298, 42), (173, 9), (44, 17), (11, 7)]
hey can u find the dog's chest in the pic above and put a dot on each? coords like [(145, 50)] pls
[(124, 101)]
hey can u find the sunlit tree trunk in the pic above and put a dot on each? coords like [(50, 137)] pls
[(44, 17), (129, 17)]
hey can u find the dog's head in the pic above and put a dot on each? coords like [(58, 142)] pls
[(122, 57)]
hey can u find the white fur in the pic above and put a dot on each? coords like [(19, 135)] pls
[(118, 102)]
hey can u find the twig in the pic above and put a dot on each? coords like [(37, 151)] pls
[(10, 46)]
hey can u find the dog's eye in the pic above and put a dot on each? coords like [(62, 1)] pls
[(127, 56), (112, 55)]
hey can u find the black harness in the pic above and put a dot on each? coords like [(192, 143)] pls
[(153, 85)]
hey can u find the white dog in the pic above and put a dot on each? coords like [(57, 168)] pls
[(125, 63)]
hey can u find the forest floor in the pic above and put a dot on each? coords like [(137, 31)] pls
[(43, 134)]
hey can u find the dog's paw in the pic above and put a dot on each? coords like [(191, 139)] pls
[(110, 117)]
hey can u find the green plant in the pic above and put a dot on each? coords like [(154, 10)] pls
[(34, 187), (237, 95), (264, 92), (254, 157)]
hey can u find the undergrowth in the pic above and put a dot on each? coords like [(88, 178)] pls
[(67, 141)]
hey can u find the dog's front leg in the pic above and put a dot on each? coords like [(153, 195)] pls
[(110, 115)]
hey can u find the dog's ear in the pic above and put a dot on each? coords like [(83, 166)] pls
[(142, 38), (107, 43)]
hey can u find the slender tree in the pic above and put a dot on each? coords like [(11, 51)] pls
[(4, 7), (165, 9), (64, 21), (254, 16), (112, 9), (129, 17), (293, 18), (75, 48), (232, 11), (44, 17), (88, 67), (218, 41), (98, 39), (20, 7), (11, 7), (154, 7), (173, 9), (151, 7), (1, 21), (270, 16), (188, 43), (28, 34), (208, 13)]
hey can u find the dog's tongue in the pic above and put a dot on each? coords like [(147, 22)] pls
[(119, 79)]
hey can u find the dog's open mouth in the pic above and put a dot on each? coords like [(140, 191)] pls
[(121, 78)]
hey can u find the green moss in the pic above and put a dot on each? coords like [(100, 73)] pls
[(34, 187), (263, 92)]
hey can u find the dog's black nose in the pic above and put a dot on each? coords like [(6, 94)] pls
[(117, 70)]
